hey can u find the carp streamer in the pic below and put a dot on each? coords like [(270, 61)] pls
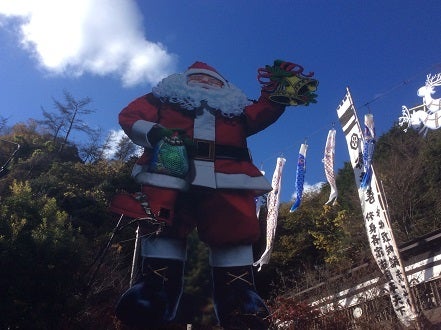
[(300, 176), (328, 161), (273, 212)]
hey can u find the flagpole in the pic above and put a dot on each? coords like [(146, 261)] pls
[(3, 169)]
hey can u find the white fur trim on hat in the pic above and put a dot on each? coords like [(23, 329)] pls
[(202, 68)]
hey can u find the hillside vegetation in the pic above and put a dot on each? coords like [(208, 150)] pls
[(54, 223)]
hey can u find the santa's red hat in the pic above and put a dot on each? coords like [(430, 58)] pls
[(203, 68)]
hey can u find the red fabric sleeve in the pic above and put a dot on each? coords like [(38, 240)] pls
[(143, 108), (262, 114)]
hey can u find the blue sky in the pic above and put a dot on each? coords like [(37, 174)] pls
[(115, 50)]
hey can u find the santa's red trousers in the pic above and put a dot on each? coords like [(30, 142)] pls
[(222, 217)]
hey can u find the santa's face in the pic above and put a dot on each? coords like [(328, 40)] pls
[(204, 81), (190, 91)]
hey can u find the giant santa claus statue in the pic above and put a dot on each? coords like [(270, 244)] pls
[(197, 172)]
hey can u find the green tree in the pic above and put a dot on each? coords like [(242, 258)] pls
[(125, 149), (69, 117), (40, 261), (3, 122), (53, 122), (329, 235), (408, 168)]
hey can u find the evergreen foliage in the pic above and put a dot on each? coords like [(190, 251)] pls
[(54, 222)]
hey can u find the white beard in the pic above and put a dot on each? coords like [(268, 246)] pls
[(229, 100)]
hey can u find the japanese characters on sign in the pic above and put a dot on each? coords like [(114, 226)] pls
[(376, 218)]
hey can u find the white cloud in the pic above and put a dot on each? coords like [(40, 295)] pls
[(101, 37), (314, 188), (115, 137), (309, 189)]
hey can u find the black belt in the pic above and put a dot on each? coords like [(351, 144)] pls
[(209, 151)]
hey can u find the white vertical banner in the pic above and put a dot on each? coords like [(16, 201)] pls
[(376, 217)]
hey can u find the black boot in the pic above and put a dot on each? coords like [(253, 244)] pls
[(236, 302), (154, 299)]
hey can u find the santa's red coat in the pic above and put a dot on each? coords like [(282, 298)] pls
[(147, 111)]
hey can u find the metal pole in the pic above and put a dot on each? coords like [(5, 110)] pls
[(135, 258), (101, 256), (3, 169)]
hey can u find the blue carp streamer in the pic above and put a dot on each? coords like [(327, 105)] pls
[(300, 176), (368, 150)]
